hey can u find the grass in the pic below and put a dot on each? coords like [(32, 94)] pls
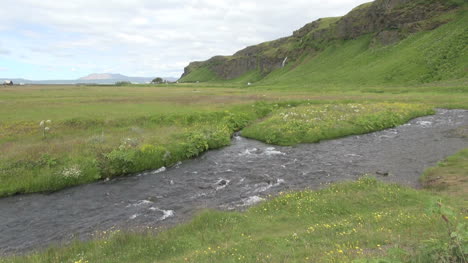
[(349, 222), (201, 74), (423, 57), (96, 148), (360, 221), (349, 87), (449, 176), (312, 123), (106, 131)]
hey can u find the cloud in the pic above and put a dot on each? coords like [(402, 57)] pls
[(4, 51), (146, 36)]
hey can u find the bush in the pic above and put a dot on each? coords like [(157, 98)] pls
[(123, 83)]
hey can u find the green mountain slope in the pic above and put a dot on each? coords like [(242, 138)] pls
[(387, 42), (440, 54)]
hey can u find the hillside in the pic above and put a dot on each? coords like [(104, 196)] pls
[(385, 42)]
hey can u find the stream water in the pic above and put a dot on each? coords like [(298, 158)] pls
[(233, 177)]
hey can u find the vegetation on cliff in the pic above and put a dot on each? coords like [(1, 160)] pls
[(380, 43)]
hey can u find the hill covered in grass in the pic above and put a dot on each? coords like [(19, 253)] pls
[(385, 42)]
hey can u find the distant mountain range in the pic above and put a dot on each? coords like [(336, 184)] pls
[(95, 78)]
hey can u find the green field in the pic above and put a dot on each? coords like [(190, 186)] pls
[(98, 132), (58, 136)]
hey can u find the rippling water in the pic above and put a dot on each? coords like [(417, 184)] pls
[(230, 178)]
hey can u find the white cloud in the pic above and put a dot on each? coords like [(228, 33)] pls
[(157, 37)]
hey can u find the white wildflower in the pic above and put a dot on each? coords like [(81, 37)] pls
[(128, 143), (73, 171), (41, 123)]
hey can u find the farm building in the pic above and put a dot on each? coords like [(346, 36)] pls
[(8, 82)]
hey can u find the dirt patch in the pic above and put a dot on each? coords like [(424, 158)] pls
[(451, 183)]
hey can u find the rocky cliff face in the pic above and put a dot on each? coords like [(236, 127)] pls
[(388, 20)]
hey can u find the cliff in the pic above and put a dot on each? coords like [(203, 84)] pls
[(385, 22)]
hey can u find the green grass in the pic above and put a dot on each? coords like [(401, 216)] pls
[(99, 132), (361, 221), (423, 57), (313, 123), (200, 74), (450, 176), (109, 131), (80, 150), (350, 221)]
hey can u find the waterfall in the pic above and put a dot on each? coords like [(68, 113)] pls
[(284, 62)]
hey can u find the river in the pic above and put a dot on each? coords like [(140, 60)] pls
[(230, 178)]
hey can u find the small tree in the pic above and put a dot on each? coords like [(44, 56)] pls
[(157, 80)]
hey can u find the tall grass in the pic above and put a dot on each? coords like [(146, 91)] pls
[(69, 157), (312, 123)]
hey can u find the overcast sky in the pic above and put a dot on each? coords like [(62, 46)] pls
[(68, 39)]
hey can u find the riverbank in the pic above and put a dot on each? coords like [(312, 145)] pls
[(231, 178), (97, 133), (361, 221)]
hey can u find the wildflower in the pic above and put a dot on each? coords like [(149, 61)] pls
[(45, 128), (71, 172)]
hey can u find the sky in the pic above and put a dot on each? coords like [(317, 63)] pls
[(68, 39)]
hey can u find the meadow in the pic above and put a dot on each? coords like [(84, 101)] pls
[(58, 136), (97, 132), (313, 123)]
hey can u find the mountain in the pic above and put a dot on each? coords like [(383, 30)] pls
[(109, 78), (101, 76), (95, 78), (385, 42)]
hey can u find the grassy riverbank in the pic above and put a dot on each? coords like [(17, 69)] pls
[(106, 131), (362, 221), (312, 123)]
